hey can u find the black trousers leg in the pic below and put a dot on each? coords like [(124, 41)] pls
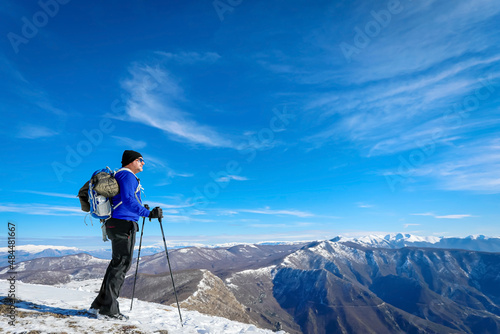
[(122, 236)]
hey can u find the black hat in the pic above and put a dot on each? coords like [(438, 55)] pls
[(129, 156)]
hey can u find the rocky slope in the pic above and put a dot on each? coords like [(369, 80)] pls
[(341, 289)]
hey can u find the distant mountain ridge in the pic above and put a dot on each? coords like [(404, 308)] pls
[(30, 252), (393, 241), (479, 243)]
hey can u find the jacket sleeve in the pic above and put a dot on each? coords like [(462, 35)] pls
[(128, 185)]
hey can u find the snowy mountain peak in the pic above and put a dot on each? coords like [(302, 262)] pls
[(395, 239), (400, 240), (477, 237)]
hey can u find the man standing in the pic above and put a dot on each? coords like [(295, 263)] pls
[(121, 229)]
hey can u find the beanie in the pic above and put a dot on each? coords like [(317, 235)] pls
[(129, 156)]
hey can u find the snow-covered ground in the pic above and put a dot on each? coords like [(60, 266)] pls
[(50, 309)]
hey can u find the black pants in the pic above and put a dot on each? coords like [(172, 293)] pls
[(122, 236)]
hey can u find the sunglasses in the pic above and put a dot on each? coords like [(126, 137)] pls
[(141, 160)]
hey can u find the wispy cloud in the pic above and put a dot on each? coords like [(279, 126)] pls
[(446, 30), (169, 206), (30, 131), (186, 219), (269, 225), (190, 57), (455, 216), (131, 143), (161, 167), (227, 212), (19, 85), (402, 121), (228, 178), (452, 216), (387, 107), (41, 209), (423, 214), (48, 194), (155, 100), (471, 166), (269, 211)]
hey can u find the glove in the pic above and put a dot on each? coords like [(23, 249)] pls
[(156, 213)]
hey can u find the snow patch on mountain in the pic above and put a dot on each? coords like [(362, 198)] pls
[(399, 240), (205, 284), (395, 240), (254, 273)]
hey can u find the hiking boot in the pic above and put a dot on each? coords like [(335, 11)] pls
[(118, 316)]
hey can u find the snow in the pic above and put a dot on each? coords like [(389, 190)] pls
[(394, 240), (87, 285), (477, 237), (203, 285), (328, 250), (388, 240), (264, 271), (71, 298)]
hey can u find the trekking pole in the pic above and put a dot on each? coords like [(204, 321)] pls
[(138, 257), (170, 268)]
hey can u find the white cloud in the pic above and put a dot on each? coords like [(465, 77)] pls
[(131, 143), (423, 214), (228, 178), (471, 166), (41, 209), (398, 88), (407, 116), (269, 225), (190, 57), (455, 216), (29, 93), (49, 194), (185, 219), (154, 100), (30, 131), (153, 204), (268, 211), (227, 212), (452, 216)]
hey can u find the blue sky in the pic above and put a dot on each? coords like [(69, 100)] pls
[(258, 120)]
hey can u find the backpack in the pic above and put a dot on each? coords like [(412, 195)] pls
[(95, 195)]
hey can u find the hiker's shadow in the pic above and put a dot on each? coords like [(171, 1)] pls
[(21, 304)]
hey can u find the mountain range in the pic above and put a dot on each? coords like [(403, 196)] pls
[(391, 284), (398, 240)]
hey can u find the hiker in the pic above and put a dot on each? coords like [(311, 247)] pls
[(121, 229)]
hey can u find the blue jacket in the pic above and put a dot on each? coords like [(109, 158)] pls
[(127, 204)]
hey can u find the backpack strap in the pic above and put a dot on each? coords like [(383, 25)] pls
[(138, 189)]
